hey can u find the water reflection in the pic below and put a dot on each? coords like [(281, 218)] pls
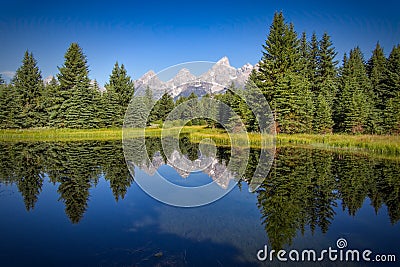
[(302, 191), (73, 166)]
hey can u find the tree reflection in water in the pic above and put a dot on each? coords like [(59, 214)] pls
[(301, 191)]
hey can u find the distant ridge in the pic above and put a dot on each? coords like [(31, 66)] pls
[(215, 80)]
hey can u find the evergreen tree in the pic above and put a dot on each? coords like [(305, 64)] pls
[(1, 80), (74, 71), (323, 121), (325, 85), (73, 76), (327, 62), (162, 107), (121, 88), (28, 86), (355, 104), (149, 103), (376, 69), (50, 99), (293, 104), (392, 74), (314, 61), (79, 107), (392, 115), (8, 107), (389, 92), (280, 78)]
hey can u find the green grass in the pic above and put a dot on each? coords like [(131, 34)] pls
[(48, 135), (378, 144)]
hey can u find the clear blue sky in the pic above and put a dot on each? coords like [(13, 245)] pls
[(148, 35)]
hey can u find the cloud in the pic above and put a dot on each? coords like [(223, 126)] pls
[(8, 74)]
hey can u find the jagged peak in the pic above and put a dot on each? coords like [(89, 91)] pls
[(149, 73), (223, 61), (184, 71)]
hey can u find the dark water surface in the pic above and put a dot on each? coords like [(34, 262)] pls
[(76, 204)]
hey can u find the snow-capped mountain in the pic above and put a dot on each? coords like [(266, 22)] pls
[(215, 80)]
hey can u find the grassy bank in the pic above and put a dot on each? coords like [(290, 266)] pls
[(48, 135), (373, 143)]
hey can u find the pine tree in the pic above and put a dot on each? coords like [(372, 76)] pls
[(323, 122), (281, 80), (325, 85), (28, 85), (73, 76), (392, 115), (392, 74), (77, 110), (162, 107), (122, 88), (293, 104), (314, 61), (390, 92), (354, 104), (74, 71), (1, 80), (327, 62), (148, 102), (52, 101), (8, 107), (376, 69)]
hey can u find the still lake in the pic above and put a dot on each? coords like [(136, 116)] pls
[(76, 204)]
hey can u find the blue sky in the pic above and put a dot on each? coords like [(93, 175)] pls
[(154, 35)]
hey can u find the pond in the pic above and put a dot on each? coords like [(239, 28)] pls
[(77, 204)]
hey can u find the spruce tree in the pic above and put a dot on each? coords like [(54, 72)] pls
[(281, 79), (327, 62), (77, 107), (74, 72), (376, 68), (1, 80), (392, 74), (323, 121), (28, 86), (392, 115), (390, 92), (325, 85), (10, 107), (355, 105), (162, 107), (121, 88), (314, 61)]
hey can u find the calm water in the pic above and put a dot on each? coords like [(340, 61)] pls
[(76, 204)]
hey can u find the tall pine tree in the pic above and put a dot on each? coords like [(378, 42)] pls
[(28, 86), (355, 104), (281, 80), (77, 109), (325, 85), (120, 90), (390, 92)]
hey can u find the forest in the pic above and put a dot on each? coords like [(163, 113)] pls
[(306, 87)]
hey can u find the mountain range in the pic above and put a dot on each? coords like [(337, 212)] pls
[(215, 80)]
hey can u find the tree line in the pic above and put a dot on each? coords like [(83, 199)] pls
[(70, 101), (308, 93), (300, 78)]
